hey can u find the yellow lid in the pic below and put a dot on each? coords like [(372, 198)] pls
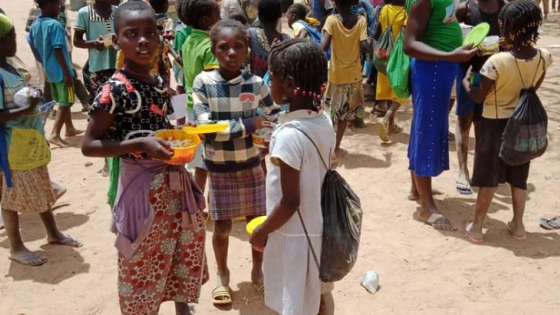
[(210, 128)]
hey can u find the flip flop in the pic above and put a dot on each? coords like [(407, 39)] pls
[(68, 241), (470, 237), (516, 237), (259, 288), (398, 129), (29, 260), (382, 131), (435, 192), (463, 188), (550, 224), (76, 133), (221, 295), (59, 143), (439, 222)]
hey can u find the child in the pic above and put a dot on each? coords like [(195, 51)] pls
[(435, 51), (160, 230), (346, 32), (270, 12), (49, 38), (241, 18), (197, 58), (294, 183), (504, 75), (237, 186), (180, 38), (468, 112), (393, 15), (95, 21), (297, 20), (25, 186)]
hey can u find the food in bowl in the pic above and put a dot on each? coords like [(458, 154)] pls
[(179, 143), (490, 45), (261, 136)]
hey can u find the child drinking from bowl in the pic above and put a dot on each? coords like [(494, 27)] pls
[(300, 149), (156, 215), (237, 187)]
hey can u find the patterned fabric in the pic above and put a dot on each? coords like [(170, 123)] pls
[(31, 191), (237, 194), (97, 80), (170, 264), (346, 100), (139, 108), (260, 48), (431, 83), (366, 9), (235, 102)]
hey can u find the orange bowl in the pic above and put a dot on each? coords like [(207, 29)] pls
[(184, 155)]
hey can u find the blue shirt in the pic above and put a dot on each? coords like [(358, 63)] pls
[(94, 26), (48, 35)]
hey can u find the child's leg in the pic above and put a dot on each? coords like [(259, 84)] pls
[(463, 129), (327, 304), (519, 197), (105, 170), (257, 277), (18, 251), (429, 213), (389, 118), (71, 131), (182, 309), (220, 243), (58, 123), (340, 129), (485, 195), (200, 177), (54, 236)]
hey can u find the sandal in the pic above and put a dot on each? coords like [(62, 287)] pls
[(221, 295), (259, 288), (464, 188), (397, 130), (550, 224), (470, 237), (516, 237), (29, 260), (67, 241), (439, 222), (382, 131)]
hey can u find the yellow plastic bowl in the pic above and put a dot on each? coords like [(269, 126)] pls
[(253, 224), (181, 156)]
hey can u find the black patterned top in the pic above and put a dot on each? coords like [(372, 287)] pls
[(139, 108)]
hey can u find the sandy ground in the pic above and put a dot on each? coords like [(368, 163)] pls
[(422, 271)]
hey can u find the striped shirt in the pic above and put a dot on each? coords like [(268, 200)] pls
[(235, 102)]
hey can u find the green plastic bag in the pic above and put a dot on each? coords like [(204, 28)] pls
[(382, 50), (398, 69)]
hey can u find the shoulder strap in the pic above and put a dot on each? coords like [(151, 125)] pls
[(313, 142)]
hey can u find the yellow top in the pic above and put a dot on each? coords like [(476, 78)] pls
[(503, 69), (345, 66)]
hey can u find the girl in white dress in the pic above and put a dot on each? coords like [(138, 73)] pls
[(298, 71)]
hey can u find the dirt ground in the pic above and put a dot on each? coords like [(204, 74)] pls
[(421, 270)]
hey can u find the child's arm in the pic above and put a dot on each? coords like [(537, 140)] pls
[(284, 210), (68, 81), (326, 41), (461, 12), (9, 114), (238, 128), (80, 42), (477, 93), (415, 48)]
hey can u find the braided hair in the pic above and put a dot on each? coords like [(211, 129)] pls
[(191, 12), (299, 10), (304, 61), (227, 24), (519, 23)]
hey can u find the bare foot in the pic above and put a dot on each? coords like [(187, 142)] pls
[(57, 141), (413, 196), (104, 171), (73, 133)]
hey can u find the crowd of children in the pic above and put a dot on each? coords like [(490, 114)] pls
[(237, 75)]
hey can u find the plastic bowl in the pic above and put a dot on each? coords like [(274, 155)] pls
[(490, 45), (262, 136), (181, 156), (253, 224)]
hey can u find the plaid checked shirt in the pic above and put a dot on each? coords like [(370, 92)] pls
[(235, 102)]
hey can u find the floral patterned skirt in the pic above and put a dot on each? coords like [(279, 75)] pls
[(170, 264)]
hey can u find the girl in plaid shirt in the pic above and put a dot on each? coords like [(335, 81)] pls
[(237, 182)]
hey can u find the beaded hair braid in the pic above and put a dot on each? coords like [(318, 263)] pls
[(305, 62), (519, 23)]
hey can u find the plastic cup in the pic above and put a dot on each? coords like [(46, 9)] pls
[(490, 45), (466, 29), (107, 40)]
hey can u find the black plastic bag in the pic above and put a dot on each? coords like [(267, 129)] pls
[(525, 135), (342, 223)]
